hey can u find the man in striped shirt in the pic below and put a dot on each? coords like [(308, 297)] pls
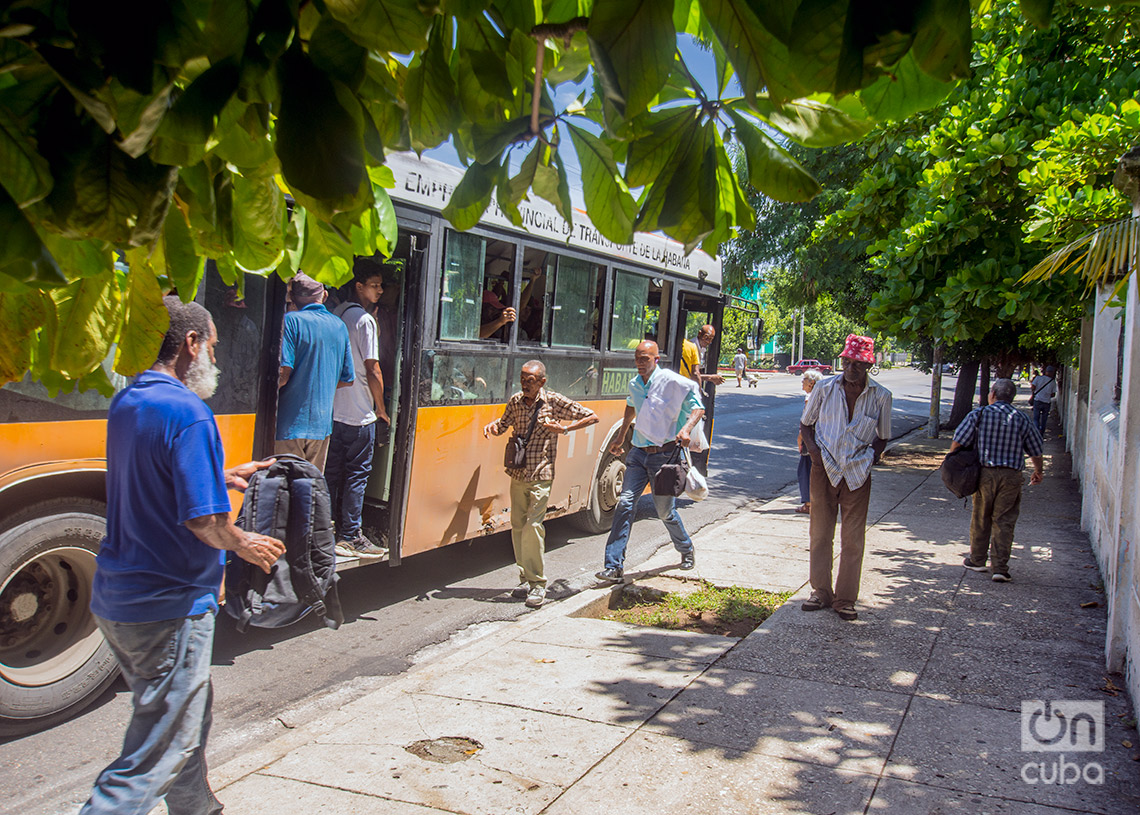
[(1003, 437), (845, 428)]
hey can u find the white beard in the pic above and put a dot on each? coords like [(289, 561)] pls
[(202, 376)]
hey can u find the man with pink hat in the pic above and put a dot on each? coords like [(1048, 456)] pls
[(845, 428)]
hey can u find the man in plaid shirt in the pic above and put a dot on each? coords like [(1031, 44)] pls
[(530, 485), (1003, 437)]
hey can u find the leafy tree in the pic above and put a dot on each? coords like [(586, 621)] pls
[(112, 112)]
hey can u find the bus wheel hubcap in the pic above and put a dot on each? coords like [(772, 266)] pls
[(609, 484)]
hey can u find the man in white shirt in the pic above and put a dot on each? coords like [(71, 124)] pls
[(845, 428), (1044, 391), (355, 412)]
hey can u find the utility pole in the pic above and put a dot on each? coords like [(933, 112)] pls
[(803, 314), (935, 394)]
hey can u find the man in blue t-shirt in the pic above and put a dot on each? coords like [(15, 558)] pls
[(316, 359), (160, 567)]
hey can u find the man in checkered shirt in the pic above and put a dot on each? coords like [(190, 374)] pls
[(1003, 437), (530, 485)]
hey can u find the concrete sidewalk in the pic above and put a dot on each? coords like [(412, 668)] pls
[(915, 708)]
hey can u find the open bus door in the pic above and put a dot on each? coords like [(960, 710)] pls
[(696, 310)]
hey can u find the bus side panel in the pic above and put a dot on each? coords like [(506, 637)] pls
[(458, 488)]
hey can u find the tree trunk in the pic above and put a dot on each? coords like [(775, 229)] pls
[(984, 385), (964, 392), (935, 394)]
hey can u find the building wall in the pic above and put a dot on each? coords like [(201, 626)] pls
[(1103, 435)]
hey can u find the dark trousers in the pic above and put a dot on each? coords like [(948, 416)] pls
[(1041, 414), (803, 472), (826, 501), (346, 471)]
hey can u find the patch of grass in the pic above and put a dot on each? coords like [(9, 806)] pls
[(732, 610)]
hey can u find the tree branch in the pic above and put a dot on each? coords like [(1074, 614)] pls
[(560, 31)]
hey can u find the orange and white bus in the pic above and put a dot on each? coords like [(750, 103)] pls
[(583, 303)]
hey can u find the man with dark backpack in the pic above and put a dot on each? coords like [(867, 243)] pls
[(1002, 436), (1044, 391)]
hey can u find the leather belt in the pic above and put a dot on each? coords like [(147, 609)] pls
[(662, 449)]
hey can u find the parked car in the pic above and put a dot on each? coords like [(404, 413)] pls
[(809, 365), (949, 368)]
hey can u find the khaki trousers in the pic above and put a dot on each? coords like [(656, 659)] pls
[(826, 500), (528, 510), (997, 503), (314, 451)]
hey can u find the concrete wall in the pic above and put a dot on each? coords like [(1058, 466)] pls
[(1103, 435)]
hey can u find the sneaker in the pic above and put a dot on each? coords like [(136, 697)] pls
[(847, 613), (520, 591), (611, 576), (367, 550), (815, 602), (688, 561), (973, 567), (1001, 577), (535, 596), (344, 549)]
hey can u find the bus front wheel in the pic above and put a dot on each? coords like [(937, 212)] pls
[(53, 658), (598, 516)]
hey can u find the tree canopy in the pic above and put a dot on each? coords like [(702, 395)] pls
[(173, 132)]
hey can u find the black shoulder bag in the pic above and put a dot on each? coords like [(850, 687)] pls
[(514, 458), (670, 479)]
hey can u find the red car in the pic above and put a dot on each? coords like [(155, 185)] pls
[(809, 365)]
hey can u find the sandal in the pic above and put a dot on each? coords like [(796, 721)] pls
[(804, 509)]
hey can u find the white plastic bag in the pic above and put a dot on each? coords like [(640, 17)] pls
[(696, 487), (698, 441)]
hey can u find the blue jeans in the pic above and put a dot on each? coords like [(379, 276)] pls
[(1041, 415), (167, 667), (803, 472), (346, 471), (640, 468)]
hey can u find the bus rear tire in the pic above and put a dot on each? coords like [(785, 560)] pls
[(598, 516), (54, 660)]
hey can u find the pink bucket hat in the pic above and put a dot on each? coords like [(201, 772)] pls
[(860, 349)]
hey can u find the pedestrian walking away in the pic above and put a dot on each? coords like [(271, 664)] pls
[(845, 428), (538, 417), (155, 590), (803, 472), (666, 406), (315, 361), (356, 411), (1003, 438), (1044, 392), (739, 363)]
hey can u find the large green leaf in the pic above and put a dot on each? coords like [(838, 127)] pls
[(659, 135), (608, 202), (319, 142), (145, 320), (812, 123), (398, 26), (21, 315), (906, 90), (430, 94), (194, 114), (259, 213), (471, 196), (483, 48), (23, 255), (552, 184), (88, 315), (80, 258), (942, 40), (328, 253), (636, 40), (183, 265), (761, 61), (1038, 12), (771, 168), (26, 174), (820, 47), (333, 51), (673, 198)]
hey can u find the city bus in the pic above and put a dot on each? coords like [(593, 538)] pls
[(582, 304)]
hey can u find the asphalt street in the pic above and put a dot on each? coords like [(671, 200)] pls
[(269, 680)]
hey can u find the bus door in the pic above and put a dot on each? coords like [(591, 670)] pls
[(695, 310), (386, 493)]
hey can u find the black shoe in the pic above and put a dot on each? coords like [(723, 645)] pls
[(688, 561), (973, 567), (611, 576), (521, 590), (1001, 577)]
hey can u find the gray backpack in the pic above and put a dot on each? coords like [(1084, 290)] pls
[(288, 501)]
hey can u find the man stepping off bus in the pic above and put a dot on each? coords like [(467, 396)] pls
[(667, 407), (538, 416)]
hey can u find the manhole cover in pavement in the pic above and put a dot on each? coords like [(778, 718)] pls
[(446, 750)]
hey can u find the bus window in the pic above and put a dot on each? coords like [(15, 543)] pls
[(640, 312), (446, 379), (576, 378), (560, 300), (476, 288)]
